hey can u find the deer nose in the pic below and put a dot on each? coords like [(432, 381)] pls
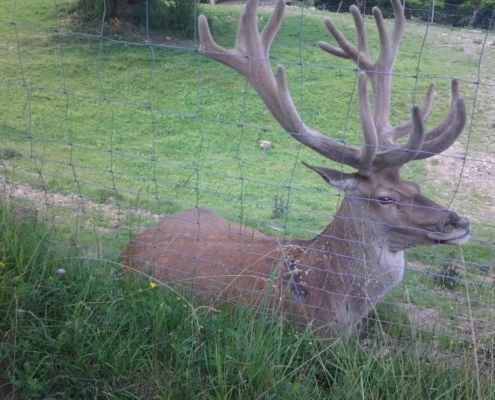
[(462, 224)]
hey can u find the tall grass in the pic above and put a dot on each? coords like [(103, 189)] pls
[(73, 326)]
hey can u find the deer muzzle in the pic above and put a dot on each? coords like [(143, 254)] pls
[(454, 231)]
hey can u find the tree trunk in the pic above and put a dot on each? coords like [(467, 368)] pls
[(473, 17), (113, 8)]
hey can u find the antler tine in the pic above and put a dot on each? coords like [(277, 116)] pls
[(249, 57), (359, 55), (379, 71), (405, 128), (398, 156), (368, 127), (399, 23), (440, 129), (447, 132), (421, 144), (435, 146), (249, 43)]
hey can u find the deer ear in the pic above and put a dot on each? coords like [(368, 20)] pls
[(337, 179)]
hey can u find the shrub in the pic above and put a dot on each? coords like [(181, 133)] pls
[(450, 276), (172, 15), (181, 16)]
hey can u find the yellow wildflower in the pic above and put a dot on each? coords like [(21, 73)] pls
[(152, 285)]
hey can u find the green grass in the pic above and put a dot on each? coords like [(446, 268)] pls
[(123, 133), (97, 332)]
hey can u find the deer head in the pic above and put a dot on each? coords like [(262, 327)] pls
[(336, 278)]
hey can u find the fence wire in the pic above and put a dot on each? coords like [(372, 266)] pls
[(106, 130)]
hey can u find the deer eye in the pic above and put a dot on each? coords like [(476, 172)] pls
[(386, 200)]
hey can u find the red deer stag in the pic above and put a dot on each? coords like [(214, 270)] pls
[(335, 279)]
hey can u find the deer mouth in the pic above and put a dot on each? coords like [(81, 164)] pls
[(454, 234), (456, 241)]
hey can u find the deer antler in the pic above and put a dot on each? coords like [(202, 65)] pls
[(250, 58), (380, 73)]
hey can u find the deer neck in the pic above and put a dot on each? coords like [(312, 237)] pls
[(351, 233)]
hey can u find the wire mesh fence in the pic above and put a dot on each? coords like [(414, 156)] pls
[(105, 130)]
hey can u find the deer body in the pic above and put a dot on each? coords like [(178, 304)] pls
[(337, 278), (310, 279)]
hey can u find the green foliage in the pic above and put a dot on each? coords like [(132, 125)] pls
[(90, 10), (173, 15), (170, 15), (151, 13), (452, 12), (279, 207), (450, 275), (181, 16)]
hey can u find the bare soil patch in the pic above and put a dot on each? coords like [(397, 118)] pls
[(44, 201), (472, 178)]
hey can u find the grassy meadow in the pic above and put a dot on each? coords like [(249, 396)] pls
[(105, 130)]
